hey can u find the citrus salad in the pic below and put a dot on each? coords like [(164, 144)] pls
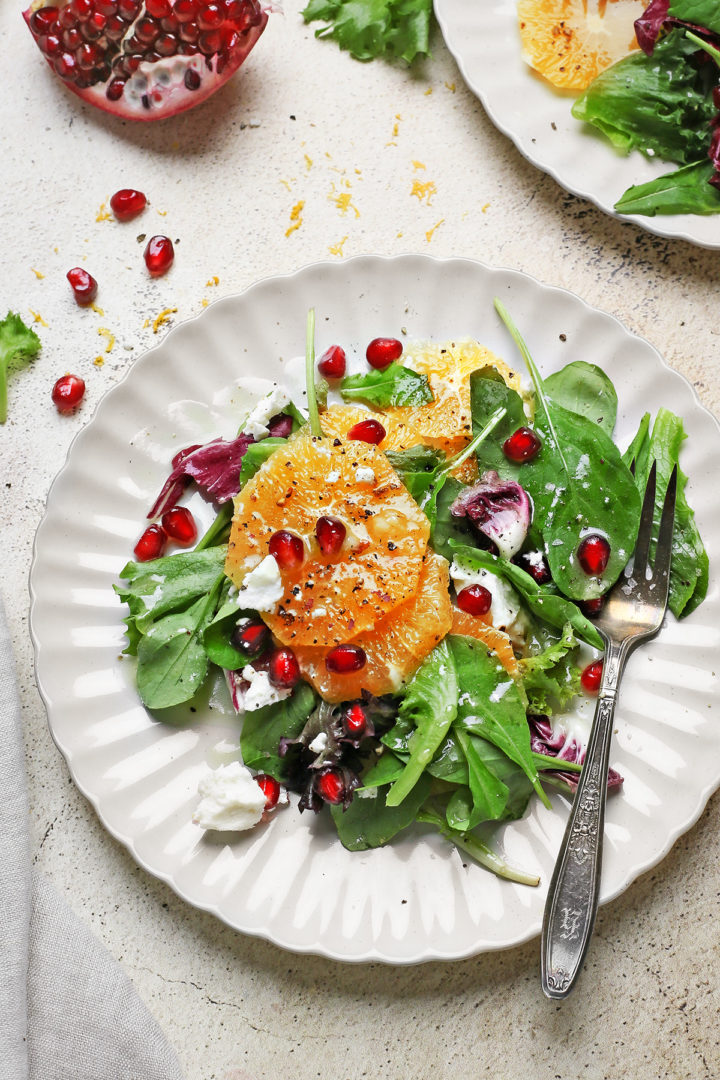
[(399, 587)]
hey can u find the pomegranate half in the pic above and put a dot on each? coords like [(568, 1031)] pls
[(145, 59)]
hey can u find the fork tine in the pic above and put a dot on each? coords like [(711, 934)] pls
[(642, 547), (663, 552)]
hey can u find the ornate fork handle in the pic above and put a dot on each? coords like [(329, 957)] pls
[(575, 885)]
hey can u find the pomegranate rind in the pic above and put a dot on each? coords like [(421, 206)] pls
[(330, 600), (570, 42), (396, 647)]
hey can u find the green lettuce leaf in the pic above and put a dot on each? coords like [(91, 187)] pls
[(370, 28), (17, 344)]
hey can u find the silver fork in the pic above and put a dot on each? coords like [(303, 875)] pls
[(633, 614)]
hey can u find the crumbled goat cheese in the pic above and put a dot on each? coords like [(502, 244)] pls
[(272, 404), (332, 477), (364, 475), (261, 691), (230, 800), (262, 589), (319, 743), (536, 559)]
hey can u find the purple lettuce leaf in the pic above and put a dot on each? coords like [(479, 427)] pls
[(215, 468), (545, 740), (499, 510), (657, 18)]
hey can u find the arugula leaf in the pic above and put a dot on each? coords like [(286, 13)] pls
[(370, 821), (685, 191), (262, 730), (585, 389), (17, 344), (394, 385), (470, 843), (430, 706), (168, 584), (485, 797), (172, 663), (370, 28)]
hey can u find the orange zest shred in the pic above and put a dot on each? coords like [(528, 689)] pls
[(424, 191), (37, 317), (109, 337), (37, 273), (103, 213), (162, 318), (295, 217), (431, 232), (337, 249)]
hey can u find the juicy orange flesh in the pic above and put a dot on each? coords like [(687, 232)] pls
[(396, 647), (496, 640), (569, 42), (330, 600)]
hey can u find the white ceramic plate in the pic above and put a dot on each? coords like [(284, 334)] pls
[(291, 881), (484, 39)]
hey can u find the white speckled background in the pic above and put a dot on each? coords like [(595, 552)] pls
[(304, 123)]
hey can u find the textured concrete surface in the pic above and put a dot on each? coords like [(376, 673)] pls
[(304, 123)]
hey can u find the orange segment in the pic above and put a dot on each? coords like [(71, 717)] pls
[(399, 434), (497, 640), (570, 42), (331, 599), (396, 647)]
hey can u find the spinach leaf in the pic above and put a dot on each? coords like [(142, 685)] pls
[(542, 601), (485, 797), (660, 105), (394, 385), (262, 730), (491, 705), (471, 844), (168, 584), (384, 771), (430, 705), (638, 447), (685, 191), (256, 455), (488, 393), (172, 663), (217, 634), (447, 530), (585, 389), (579, 485), (370, 821)]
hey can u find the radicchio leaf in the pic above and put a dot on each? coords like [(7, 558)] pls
[(650, 23), (215, 468), (499, 510), (544, 740)]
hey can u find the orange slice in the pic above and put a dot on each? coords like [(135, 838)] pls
[(496, 640), (396, 647), (570, 42), (331, 599)]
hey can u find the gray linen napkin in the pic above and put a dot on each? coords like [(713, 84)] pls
[(68, 1010)]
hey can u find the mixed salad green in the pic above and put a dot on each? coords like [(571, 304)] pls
[(464, 744)]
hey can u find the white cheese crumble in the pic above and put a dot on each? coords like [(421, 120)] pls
[(262, 589), (272, 404), (536, 559), (261, 691), (319, 743), (364, 475), (231, 799), (505, 610), (332, 477)]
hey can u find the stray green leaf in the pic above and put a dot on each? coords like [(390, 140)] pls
[(18, 344), (394, 385)]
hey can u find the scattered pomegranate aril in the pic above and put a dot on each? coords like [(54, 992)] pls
[(270, 788), (332, 363), (592, 608), (159, 255), (355, 721), (68, 392), (382, 351), (250, 637), (330, 786), (127, 203), (536, 566), (369, 431), (344, 659), (180, 525), (283, 669), (523, 445), (474, 600), (151, 544), (591, 677), (287, 549), (330, 533), (84, 285), (594, 554), (172, 78)]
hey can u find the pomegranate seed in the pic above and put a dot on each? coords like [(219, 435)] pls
[(43, 20), (82, 8), (355, 721), (591, 676), (344, 659), (189, 32), (184, 10), (250, 637), (192, 79), (210, 17), (66, 65), (72, 39), (209, 42), (370, 431), (146, 31), (475, 600), (180, 525), (66, 17), (50, 45), (115, 28), (68, 392), (127, 204), (594, 554), (283, 669), (270, 789), (159, 255), (330, 786), (523, 445), (592, 608), (330, 533), (106, 7), (151, 544), (158, 9), (536, 566), (286, 548), (87, 56), (115, 89), (382, 351), (128, 9), (166, 45), (332, 362), (84, 285)]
